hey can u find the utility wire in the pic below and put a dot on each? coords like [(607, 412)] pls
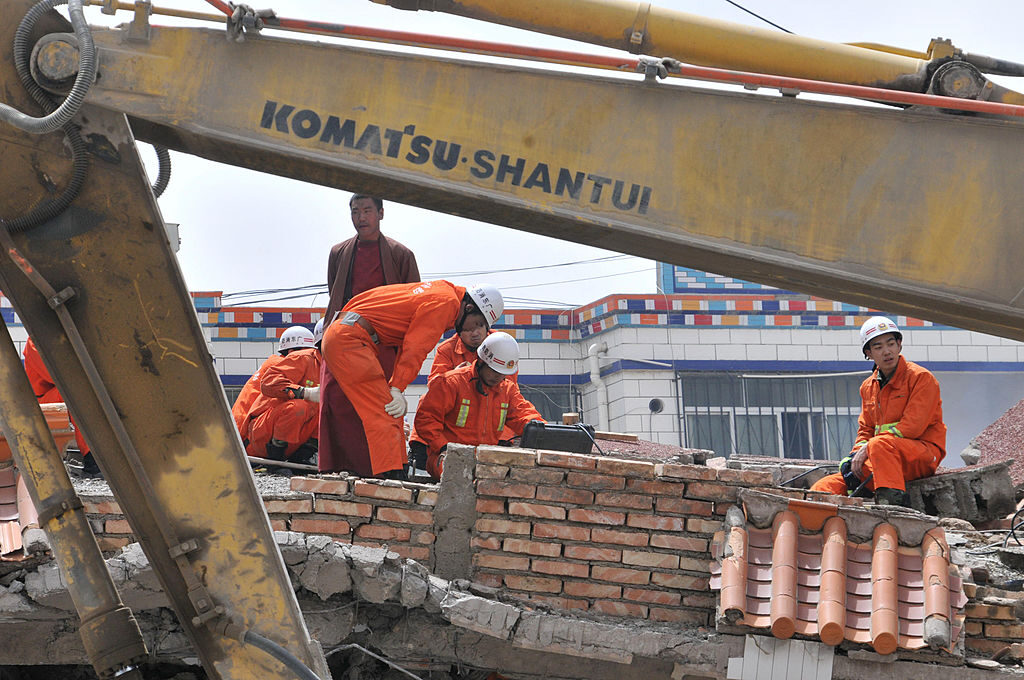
[(754, 14), (432, 275)]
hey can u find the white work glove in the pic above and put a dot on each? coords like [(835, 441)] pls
[(311, 394), (397, 407)]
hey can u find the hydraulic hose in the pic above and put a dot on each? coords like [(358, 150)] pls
[(281, 654), (86, 70), (163, 177)]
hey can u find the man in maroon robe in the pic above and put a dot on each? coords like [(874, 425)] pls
[(366, 261)]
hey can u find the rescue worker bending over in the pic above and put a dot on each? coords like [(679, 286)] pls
[(282, 422), (458, 350), (474, 404), (901, 436), (411, 316)]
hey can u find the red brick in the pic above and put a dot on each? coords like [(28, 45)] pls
[(566, 460), (587, 589), (701, 564), (617, 608), (411, 552), (596, 516), (537, 584), (101, 508), (559, 602), (489, 543), (626, 468), (329, 527), (502, 526), (702, 526), (520, 545), (700, 601), (333, 487), (504, 456), (423, 537), (998, 630), (489, 487), (385, 493), (686, 471), (560, 568), (680, 581), (111, 543), (624, 500), (585, 552), (491, 471), (684, 506), (562, 532), (537, 475), (491, 506), (596, 482), (279, 525), (650, 559), (383, 533), (679, 542), (303, 506), (658, 488), (655, 522), (986, 647), (536, 510), (974, 628), (332, 507), (620, 575), (117, 526), (405, 516), (976, 610), (502, 562), (685, 616), (426, 497), (652, 596), (563, 495), (746, 477), (487, 579), (620, 537), (712, 492)]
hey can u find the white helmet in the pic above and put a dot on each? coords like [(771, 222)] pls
[(318, 331), (500, 351), (489, 300), (875, 326), (296, 337)]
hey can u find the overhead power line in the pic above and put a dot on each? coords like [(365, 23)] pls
[(754, 14)]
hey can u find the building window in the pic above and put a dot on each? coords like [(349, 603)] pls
[(553, 400), (778, 414)]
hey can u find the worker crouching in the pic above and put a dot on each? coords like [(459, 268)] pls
[(900, 436), (474, 404)]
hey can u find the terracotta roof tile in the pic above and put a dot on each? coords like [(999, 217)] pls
[(821, 584)]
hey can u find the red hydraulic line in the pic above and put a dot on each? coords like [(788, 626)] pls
[(632, 64)]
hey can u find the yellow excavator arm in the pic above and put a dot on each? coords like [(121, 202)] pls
[(914, 209)]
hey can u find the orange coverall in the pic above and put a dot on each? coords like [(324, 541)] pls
[(410, 316), (275, 413), (454, 411), (901, 423), (250, 390), (45, 389)]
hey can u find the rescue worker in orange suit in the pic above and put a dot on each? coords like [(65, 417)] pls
[(458, 350), (283, 420), (474, 404), (901, 436), (367, 260), (46, 393), (411, 316)]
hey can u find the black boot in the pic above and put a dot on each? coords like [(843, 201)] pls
[(275, 451), (888, 496), (306, 454), (418, 454)]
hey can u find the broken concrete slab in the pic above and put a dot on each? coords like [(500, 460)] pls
[(496, 619), (974, 493), (455, 513)]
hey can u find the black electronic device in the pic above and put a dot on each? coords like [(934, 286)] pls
[(557, 437)]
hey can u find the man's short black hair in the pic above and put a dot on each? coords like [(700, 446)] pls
[(379, 202)]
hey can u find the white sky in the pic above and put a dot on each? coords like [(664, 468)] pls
[(233, 220)]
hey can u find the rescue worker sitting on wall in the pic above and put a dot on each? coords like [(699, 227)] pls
[(412, 317), (474, 404), (457, 351), (901, 436), (282, 421)]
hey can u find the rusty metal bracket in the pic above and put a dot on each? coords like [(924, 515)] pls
[(639, 28), (183, 548), (139, 28), (55, 506)]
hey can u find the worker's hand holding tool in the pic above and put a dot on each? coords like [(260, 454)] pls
[(311, 394), (397, 406), (857, 464)]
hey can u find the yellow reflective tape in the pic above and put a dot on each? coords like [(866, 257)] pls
[(888, 428), (501, 417), (463, 414)]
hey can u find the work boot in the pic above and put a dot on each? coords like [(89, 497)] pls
[(418, 455), (306, 454), (398, 474), (88, 470), (275, 451), (888, 496)]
